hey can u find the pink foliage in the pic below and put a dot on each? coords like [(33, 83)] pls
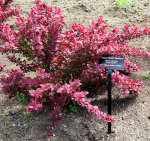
[(41, 29), (6, 11), (125, 84), (10, 81), (35, 105), (2, 67)]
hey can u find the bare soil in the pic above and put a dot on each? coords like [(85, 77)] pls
[(131, 113)]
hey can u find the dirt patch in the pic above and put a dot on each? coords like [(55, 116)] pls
[(131, 113)]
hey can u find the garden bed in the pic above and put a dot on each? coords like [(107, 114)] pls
[(131, 113)]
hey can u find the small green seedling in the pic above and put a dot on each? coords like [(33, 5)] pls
[(124, 3), (147, 75), (71, 107), (21, 97), (26, 114)]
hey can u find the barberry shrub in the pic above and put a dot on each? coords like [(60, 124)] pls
[(65, 61)]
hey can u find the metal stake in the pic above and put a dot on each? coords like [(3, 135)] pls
[(109, 99)]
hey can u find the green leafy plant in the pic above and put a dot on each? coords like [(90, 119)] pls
[(124, 3), (147, 75), (26, 114), (21, 97), (71, 107)]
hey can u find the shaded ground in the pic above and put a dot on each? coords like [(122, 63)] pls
[(131, 113)]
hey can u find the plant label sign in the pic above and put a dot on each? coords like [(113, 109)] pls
[(112, 62)]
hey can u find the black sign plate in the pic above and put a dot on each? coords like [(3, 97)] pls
[(112, 62)]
